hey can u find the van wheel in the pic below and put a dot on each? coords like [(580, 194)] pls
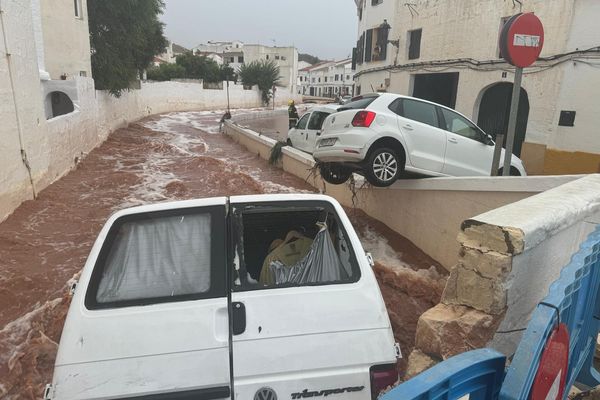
[(513, 171), (334, 174), (383, 167)]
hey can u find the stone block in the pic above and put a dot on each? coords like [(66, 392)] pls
[(446, 330), (417, 363), (468, 288)]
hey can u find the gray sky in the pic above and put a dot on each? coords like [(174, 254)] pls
[(324, 28)]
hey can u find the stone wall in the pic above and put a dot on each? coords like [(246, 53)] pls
[(508, 259)]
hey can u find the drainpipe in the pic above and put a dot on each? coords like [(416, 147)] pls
[(17, 117)]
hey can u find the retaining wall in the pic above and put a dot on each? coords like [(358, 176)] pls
[(429, 212)]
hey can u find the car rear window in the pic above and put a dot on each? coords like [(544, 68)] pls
[(316, 120), (358, 104)]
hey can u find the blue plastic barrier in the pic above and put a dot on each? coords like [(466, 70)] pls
[(477, 373), (575, 295)]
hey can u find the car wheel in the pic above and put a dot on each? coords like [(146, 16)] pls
[(383, 167), (513, 172), (334, 174)]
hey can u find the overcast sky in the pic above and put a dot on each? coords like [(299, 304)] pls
[(324, 28)]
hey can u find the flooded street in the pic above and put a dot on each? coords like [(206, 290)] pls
[(45, 242)]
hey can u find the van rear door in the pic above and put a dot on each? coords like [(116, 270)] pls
[(150, 315), (306, 337)]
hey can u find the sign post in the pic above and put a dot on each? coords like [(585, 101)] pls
[(521, 42)]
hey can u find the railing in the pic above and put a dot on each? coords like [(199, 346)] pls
[(573, 299)]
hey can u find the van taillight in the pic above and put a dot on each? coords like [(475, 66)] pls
[(382, 376), (363, 119)]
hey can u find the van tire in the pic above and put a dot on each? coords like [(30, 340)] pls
[(334, 173), (383, 166)]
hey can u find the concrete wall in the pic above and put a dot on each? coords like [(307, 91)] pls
[(54, 146), (429, 212), (66, 38)]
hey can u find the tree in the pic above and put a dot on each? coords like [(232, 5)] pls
[(199, 67), (125, 35), (264, 73), (166, 72), (309, 59)]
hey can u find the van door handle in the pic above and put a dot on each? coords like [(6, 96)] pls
[(318, 133), (408, 127), (453, 140), (238, 318)]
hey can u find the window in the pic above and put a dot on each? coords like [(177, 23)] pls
[(283, 58), (359, 103), (317, 119), (461, 126), (347, 77), (77, 6), (276, 57), (291, 244), (337, 77), (414, 47), (241, 59), (319, 79), (232, 60), (376, 2), (303, 121), (503, 21), (159, 257), (267, 56), (419, 111), (325, 79)]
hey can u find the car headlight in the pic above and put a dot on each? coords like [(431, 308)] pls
[(327, 142)]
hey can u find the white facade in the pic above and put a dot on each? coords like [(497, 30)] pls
[(237, 53), (327, 79), (453, 33)]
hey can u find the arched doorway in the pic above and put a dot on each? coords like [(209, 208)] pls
[(60, 104), (494, 109)]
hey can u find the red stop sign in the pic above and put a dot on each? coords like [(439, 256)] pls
[(522, 39), (549, 383)]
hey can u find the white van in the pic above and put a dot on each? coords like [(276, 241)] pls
[(303, 136), (250, 297)]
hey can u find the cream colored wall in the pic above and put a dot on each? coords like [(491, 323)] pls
[(66, 38)]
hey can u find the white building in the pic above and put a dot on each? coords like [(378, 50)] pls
[(237, 53), (327, 79), (447, 51), (170, 54)]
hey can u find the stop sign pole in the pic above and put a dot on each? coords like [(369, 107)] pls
[(521, 42)]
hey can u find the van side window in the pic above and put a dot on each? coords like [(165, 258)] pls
[(419, 111), (317, 119), (303, 121), (152, 258), (283, 246)]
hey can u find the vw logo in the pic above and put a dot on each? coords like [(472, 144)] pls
[(265, 393)]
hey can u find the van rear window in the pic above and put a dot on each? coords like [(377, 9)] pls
[(152, 258)]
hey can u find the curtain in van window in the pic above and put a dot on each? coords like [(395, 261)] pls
[(322, 264), (160, 257)]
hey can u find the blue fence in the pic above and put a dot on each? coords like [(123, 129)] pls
[(573, 298)]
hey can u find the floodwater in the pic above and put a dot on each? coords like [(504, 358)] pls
[(45, 242)]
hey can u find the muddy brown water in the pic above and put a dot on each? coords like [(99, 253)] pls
[(45, 242)]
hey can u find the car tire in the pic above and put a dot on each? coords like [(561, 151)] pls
[(334, 174), (383, 167), (513, 172)]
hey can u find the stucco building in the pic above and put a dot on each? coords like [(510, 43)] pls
[(327, 79), (236, 53), (447, 51)]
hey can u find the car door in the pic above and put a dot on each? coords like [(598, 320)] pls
[(290, 339), (313, 131), (150, 313), (298, 134), (467, 151), (425, 141)]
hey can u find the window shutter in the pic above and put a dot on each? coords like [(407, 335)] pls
[(368, 45)]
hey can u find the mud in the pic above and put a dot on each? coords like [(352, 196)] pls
[(44, 243)]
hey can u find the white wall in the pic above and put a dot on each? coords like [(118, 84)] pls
[(53, 145), (66, 38)]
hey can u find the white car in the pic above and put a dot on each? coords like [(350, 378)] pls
[(304, 135), (252, 297), (383, 135)]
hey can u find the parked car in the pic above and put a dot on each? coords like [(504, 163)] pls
[(383, 135), (268, 296), (345, 99), (304, 135)]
